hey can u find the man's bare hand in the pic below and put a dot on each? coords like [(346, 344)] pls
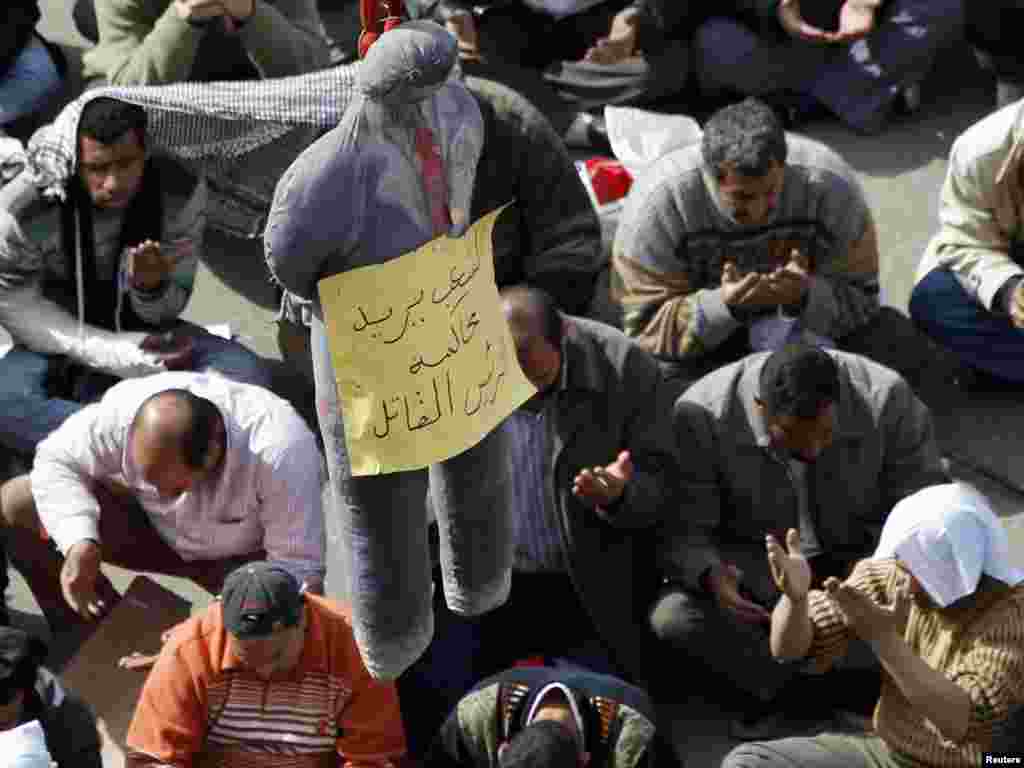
[(174, 350), (198, 11), (149, 265), (789, 283), (856, 20), (723, 582), (603, 486), (752, 290), (790, 569), (620, 44), (78, 579), (1017, 305), (873, 623), (797, 27)]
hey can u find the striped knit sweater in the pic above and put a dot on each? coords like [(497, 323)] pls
[(980, 646), (199, 708), (673, 240)]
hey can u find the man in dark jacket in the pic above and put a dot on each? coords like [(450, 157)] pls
[(548, 717), (28, 692), (590, 457), (826, 442)]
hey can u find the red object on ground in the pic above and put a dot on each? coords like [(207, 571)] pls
[(530, 661), (609, 178), (378, 17)]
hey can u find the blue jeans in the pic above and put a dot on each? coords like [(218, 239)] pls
[(980, 338), (31, 80), (28, 412)]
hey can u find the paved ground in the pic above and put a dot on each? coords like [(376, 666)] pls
[(901, 172)]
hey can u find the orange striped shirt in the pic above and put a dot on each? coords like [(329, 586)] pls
[(982, 651), (200, 707)]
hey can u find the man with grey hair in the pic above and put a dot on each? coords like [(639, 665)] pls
[(747, 240)]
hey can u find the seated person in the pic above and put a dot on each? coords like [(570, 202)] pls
[(721, 241), (942, 610), (264, 640), (596, 52), (30, 72), (827, 438), (579, 542), (860, 59), (30, 692), (179, 473), (548, 718), (990, 29), (155, 42), (88, 286), (969, 294)]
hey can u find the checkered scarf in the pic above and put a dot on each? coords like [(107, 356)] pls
[(240, 135)]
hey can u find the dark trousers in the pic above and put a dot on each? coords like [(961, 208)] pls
[(128, 540), (980, 338), (692, 627), (543, 616)]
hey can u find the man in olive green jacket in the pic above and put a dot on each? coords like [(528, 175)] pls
[(155, 42)]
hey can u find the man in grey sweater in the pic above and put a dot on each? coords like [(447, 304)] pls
[(725, 245)]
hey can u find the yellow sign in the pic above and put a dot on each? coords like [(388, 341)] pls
[(422, 354)]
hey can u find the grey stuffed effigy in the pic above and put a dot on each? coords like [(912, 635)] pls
[(361, 195)]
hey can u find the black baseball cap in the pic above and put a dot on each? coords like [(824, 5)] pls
[(260, 598)]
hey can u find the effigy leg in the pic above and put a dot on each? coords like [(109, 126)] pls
[(470, 494), (384, 536)]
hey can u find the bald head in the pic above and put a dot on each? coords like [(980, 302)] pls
[(537, 328), (176, 438)]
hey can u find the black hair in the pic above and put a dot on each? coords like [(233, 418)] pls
[(542, 744), (746, 138), (106, 120), (203, 415), (799, 380), (535, 309)]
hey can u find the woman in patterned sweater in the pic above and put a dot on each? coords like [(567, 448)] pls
[(942, 610)]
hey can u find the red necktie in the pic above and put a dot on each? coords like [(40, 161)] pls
[(432, 170)]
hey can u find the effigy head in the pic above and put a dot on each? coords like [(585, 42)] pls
[(408, 64)]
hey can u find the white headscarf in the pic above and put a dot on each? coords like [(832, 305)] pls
[(948, 536), (24, 747)]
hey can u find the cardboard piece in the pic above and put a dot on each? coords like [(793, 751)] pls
[(136, 623)]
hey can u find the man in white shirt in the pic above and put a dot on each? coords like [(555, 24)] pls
[(179, 473)]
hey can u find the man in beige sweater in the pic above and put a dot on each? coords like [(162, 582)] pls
[(969, 291), (154, 42)]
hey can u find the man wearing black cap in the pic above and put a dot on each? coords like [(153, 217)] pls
[(824, 442), (269, 675), (29, 692), (548, 718)]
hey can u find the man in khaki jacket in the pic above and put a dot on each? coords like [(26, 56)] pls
[(969, 295)]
